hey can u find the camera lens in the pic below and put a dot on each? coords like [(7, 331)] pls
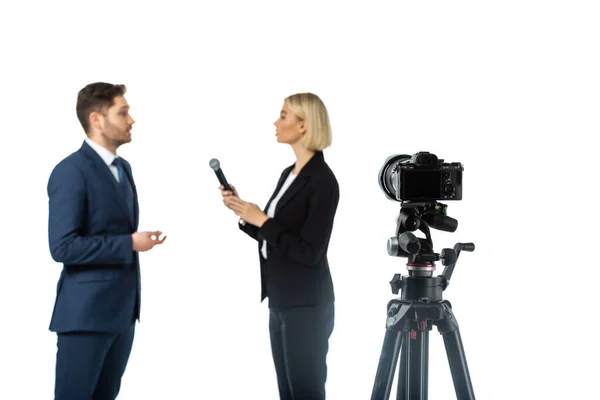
[(388, 175)]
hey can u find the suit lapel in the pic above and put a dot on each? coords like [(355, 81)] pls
[(282, 178), (299, 182), (107, 176)]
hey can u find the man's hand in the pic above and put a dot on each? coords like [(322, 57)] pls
[(144, 241)]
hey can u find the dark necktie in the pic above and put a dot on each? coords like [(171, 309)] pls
[(124, 185)]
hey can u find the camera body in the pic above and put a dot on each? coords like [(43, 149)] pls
[(422, 177), (425, 177)]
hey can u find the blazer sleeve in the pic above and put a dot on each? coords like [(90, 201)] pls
[(66, 219), (309, 247), (251, 230)]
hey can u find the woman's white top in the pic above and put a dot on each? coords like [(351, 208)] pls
[(273, 205)]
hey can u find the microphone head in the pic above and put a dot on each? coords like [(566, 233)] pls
[(214, 164)]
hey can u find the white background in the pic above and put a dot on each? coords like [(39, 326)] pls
[(511, 89)]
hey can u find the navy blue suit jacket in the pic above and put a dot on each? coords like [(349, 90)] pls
[(89, 232)]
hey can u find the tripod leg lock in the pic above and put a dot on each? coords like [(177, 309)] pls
[(448, 323), (396, 314)]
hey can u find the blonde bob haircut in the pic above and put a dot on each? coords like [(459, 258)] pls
[(310, 108)]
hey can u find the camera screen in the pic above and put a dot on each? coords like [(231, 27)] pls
[(418, 184)]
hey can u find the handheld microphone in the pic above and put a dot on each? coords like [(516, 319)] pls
[(216, 166)]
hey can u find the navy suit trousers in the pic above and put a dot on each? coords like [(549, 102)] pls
[(89, 365)]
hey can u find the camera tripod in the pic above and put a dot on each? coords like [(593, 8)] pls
[(412, 316)]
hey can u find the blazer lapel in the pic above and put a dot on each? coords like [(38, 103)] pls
[(106, 175), (282, 178), (316, 162), (300, 181), (291, 191)]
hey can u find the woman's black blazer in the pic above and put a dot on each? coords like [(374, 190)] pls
[(296, 271)]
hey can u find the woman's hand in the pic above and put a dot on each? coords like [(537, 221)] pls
[(247, 211), (226, 193)]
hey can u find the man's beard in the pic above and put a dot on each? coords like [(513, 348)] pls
[(113, 135)]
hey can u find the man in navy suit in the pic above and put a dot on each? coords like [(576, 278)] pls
[(92, 231)]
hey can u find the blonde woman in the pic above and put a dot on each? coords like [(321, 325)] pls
[(293, 236)]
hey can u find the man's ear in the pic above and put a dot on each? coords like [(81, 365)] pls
[(96, 121)]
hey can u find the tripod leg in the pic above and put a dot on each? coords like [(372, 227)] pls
[(387, 365), (458, 366), (425, 357), (417, 350), (403, 368), (456, 356)]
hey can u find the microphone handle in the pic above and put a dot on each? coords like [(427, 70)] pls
[(222, 179)]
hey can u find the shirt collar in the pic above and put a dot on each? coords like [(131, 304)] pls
[(106, 155)]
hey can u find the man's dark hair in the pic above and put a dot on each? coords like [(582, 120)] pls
[(97, 97)]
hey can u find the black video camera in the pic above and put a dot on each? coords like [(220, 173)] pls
[(422, 177)]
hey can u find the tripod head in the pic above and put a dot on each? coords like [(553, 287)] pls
[(422, 216)]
